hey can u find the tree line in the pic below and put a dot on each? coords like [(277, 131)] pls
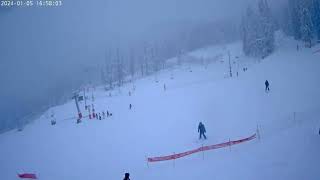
[(123, 64), (299, 18)]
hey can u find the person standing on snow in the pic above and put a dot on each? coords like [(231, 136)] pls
[(126, 176), (202, 130), (267, 86), (130, 106), (103, 115)]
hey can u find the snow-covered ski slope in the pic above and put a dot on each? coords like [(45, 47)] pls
[(163, 122)]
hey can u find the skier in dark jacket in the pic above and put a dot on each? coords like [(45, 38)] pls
[(202, 130), (126, 176), (267, 86)]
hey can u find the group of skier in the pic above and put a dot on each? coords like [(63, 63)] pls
[(103, 115)]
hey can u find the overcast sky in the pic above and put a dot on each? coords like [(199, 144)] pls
[(42, 50)]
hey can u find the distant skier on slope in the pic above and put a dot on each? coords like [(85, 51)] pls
[(103, 115), (126, 176), (202, 130), (267, 86), (130, 106)]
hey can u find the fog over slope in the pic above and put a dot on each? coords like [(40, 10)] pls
[(45, 52)]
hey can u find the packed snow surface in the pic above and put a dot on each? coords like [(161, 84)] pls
[(163, 122)]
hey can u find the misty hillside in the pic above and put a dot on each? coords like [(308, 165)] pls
[(161, 89), (163, 120)]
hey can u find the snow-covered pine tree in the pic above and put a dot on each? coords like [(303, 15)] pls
[(306, 27), (245, 31), (146, 59), (156, 58), (305, 19), (103, 76), (248, 33), (120, 69), (258, 31), (132, 65), (109, 69), (286, 21), (316, 17), (295, 18), (266, 30)]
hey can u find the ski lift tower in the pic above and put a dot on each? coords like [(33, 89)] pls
[(76, 98)]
